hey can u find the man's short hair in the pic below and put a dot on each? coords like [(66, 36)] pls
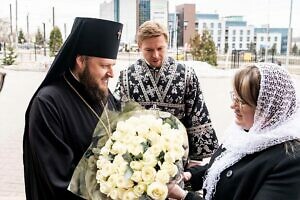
[(150, 29)]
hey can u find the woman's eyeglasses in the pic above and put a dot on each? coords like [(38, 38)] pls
[(236, 100)]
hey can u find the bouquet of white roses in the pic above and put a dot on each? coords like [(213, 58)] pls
[(144, 152)]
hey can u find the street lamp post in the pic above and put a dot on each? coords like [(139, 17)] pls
[(44, 40), (177, 33), (177, 43), (289, 37)]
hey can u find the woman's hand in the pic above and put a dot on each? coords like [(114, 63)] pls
[(186, 176), (175, 191)]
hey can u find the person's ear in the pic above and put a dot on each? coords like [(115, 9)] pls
[(80, 62)]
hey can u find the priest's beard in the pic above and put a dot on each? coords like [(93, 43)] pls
[(96, 93)]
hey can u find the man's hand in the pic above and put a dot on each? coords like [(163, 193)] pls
[(193, 163)]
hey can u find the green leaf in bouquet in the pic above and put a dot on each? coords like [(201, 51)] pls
[(128, 173), (146, 145), (138, 157), (161, 156), (127, 157), (84, 182), (172, 122)]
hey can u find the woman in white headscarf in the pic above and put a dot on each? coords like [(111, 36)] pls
[(260, 157)]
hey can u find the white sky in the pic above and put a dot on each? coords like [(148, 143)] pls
[(255, 12)]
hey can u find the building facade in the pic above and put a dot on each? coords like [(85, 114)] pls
[(125, 12), (232, 33), (185, 23), (215, 26), (132, 13)]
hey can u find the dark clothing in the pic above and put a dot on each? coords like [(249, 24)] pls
[(59, 129), (270, 174), (172, 88)]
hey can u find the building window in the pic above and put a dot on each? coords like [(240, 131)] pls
[(269, 38), (248, 32), (233, 39), (211, 25), (262, 38), (211, 32), (219, 25), (241, 39), (248, 46), (241, 32), (144, 14), (248, 39), (204, 25), (275, 38), (233, 45), (219, 39), (241, 45), (219, 32), (233, 32)]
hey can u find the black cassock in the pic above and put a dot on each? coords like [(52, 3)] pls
[(57, 133), (173, 88)]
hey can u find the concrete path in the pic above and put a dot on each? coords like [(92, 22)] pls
[(19, 86)]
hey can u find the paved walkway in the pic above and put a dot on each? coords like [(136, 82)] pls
[(19, 86), (14, 97)]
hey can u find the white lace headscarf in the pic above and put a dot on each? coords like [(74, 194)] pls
[(276, 120)]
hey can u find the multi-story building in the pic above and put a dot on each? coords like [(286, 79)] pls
[(272, 38), (132, 13), (185, 23), (214, 26), (228, 33), (238, 35), (233, 33), (124, 12)]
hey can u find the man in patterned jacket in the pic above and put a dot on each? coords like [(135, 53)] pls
[(159, 82)]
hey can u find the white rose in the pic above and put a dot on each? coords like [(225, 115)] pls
[(118, 148), (122, 182), (135, 148), (169, 157), (121, 126), (105, 187), (177, 151), (165, 127), (101, 161), (139, 189), (129, 195), (121, 167), (156, 149), (170, 168), (157, 191), (156, 125), (112, 180), (99, 176), (162, 176), (149, 159), (136, 176), (142, 129), (107, 169), (154, 137), (105, 151), (148, 174), (136, 165), (117, 135), (114, 193)]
